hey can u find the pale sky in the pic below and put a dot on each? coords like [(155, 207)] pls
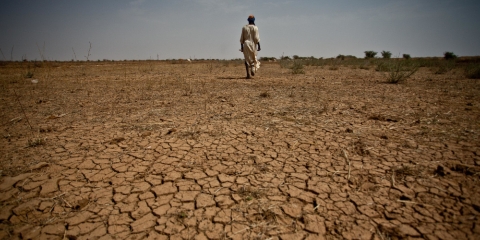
[(171, 29)]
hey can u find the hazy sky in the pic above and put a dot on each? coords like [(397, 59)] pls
[(143, 29)]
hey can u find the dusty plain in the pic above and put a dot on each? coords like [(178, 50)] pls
[(178, 150)]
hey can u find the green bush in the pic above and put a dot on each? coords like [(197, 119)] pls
[(407, 56), (370, 54), (386, 54), (449, 55)]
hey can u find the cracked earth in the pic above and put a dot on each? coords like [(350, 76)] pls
[(154, 150)]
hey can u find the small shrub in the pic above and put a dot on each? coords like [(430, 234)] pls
[(370, 54), (37, 64), (386, 54), (334, 64), (284, 63), (345, 57), (314, 62), (186, 86), (266, 59), (428, 62), (445, 67), (364, 67), (407, 56), (365, 64), (399, 71), (210, 67), (297, 68), (383, 66), (449, 55), (473, 71), (29, 74)]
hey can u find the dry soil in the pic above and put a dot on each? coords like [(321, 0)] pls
[(157, 150)]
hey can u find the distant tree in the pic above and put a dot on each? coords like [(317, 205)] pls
[(386, 54), (295, 57), (449, 55), (407, 56), (370, 54)]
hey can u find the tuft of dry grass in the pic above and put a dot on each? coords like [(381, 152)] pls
[(34, 142), (192, 132), (399, 174), (361, 148), (263, 168), (181, 215), (250, 193)]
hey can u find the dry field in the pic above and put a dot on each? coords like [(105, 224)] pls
[(171, 150)]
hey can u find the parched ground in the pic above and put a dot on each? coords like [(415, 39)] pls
[(155, 150)]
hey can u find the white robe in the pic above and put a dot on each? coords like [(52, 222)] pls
[(249, 39)]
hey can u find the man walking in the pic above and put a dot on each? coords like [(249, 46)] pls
[(248, 42)]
